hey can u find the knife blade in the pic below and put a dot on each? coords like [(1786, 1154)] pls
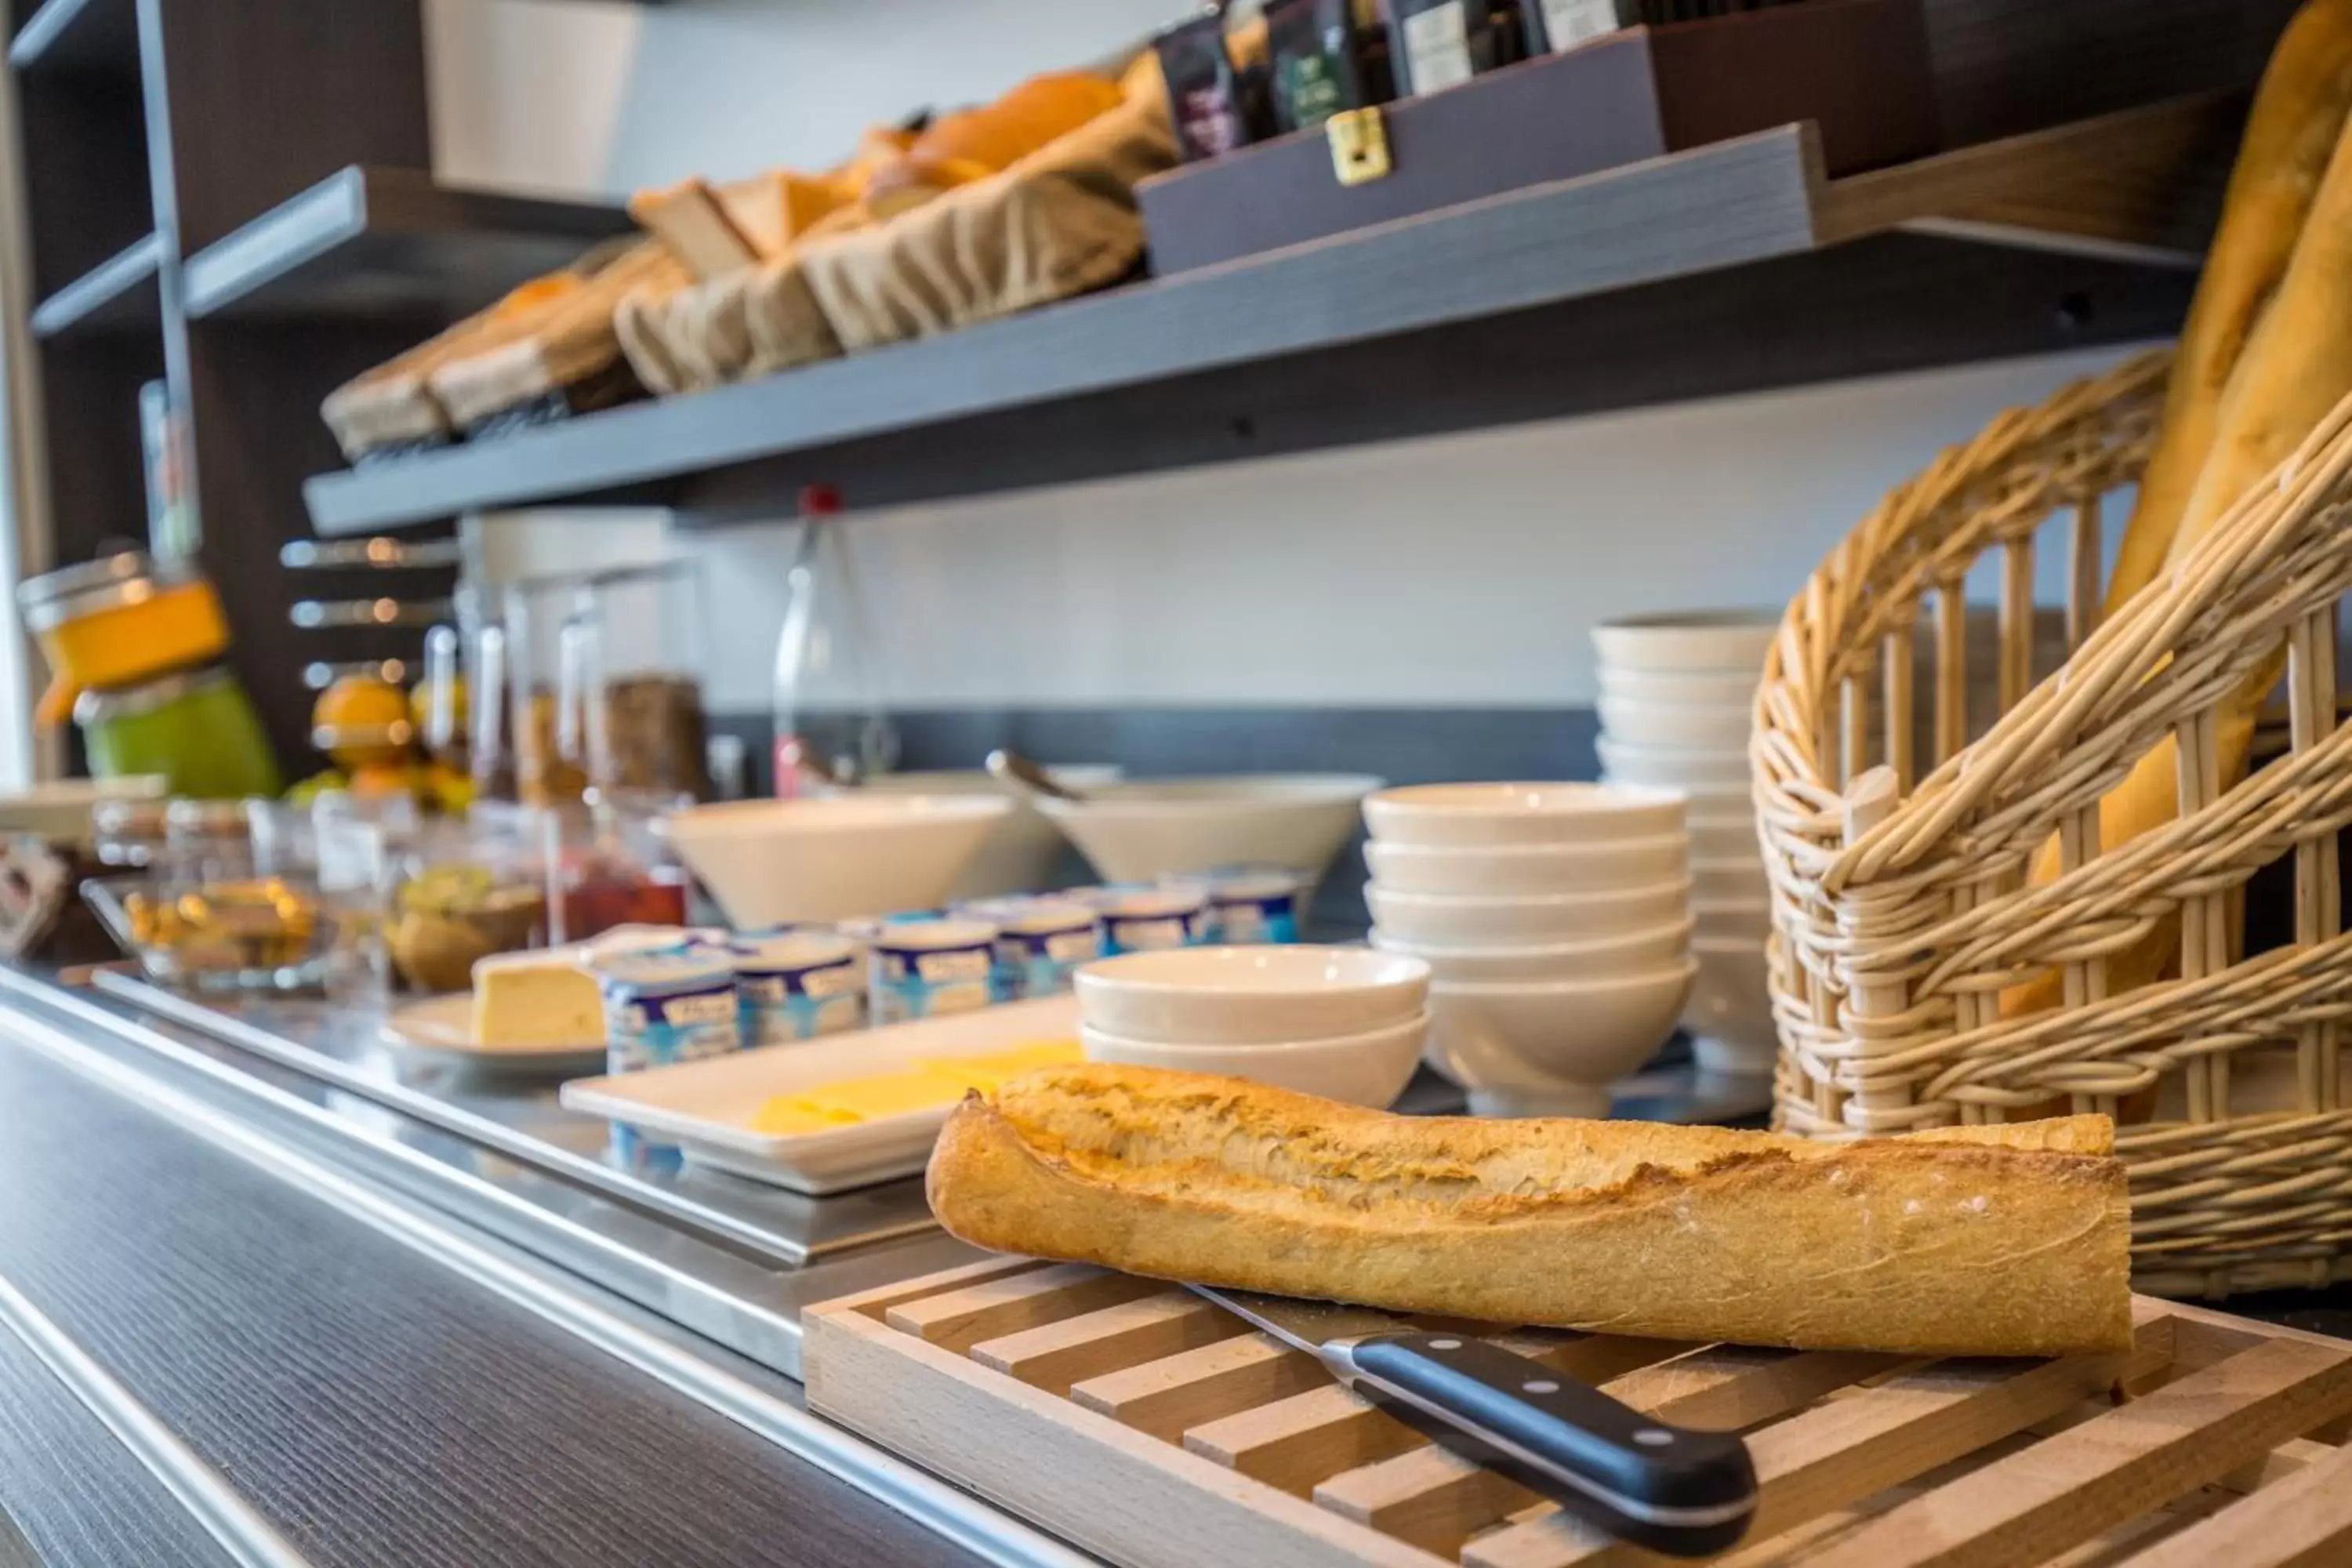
[(1670, 1488)]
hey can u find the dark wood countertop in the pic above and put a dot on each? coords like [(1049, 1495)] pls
[(371, 1405)]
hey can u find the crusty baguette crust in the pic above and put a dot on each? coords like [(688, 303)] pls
[(2298, 115), (1991, 1241)]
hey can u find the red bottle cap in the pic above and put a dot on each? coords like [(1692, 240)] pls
[(819, 500)]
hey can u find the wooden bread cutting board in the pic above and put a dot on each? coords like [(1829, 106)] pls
[(1150, 1427)]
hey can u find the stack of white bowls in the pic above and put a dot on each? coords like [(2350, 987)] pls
[(1344, 1022), (1554, 921), (1678, 695)]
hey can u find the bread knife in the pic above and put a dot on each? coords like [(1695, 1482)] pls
[(1671, 1489)]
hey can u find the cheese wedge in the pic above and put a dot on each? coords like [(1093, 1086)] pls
[(542, 998)]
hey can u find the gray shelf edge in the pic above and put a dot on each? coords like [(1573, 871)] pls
[(1745, 200), (87, 295), (34, 44), (354, 203)]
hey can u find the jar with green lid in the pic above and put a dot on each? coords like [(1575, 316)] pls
[(195, 727)]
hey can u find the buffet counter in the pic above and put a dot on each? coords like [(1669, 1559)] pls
[(257, 1314), (304, 1298)]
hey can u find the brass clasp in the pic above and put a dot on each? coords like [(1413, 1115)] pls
[(1359, 145)]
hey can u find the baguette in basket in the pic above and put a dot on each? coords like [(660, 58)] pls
[(2006, 1240)]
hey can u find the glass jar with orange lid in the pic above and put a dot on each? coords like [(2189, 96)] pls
[(117, 621)]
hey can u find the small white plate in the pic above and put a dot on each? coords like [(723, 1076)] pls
[(706, 1107), (442, 1027)]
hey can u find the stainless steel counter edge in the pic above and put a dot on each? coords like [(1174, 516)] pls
[(241, 1532), (558, 1298), (742, 1302)]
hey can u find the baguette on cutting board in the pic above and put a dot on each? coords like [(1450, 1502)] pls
[(1970, 1241)]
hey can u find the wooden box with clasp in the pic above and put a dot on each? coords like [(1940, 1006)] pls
[(1857, 70)]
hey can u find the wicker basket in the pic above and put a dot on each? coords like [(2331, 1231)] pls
[(1901, 909)]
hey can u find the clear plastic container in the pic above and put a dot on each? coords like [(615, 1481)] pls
[(461, 891), (628, 691)]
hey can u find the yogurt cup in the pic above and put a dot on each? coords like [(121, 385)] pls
[(1253, 905), (1145, 920), (925, 969), (797, 985), (667, 1008), (1040, 941)]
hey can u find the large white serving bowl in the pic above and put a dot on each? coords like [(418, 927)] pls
[(1692, 768), (1135, 832), (771, 861), (1602, 959), (1531, 871), (1368, 1068), (1489, 1037), (1626, 721), (1019, 855), (1710, 640), (1471, 816), (1248, 995), (1444, 921), (1708, 688), (1729, 1013)]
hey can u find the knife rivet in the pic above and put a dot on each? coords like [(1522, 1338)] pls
[(1651, 1437), (1446, 1344), (1539, 1385)]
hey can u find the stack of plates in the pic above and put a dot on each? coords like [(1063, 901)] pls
[(1676, 698), (1554, 922)]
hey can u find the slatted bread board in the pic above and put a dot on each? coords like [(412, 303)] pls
[(1150, 1428)]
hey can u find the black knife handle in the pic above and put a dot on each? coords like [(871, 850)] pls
[(1671, 1489)]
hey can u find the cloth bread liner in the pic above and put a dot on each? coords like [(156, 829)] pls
[(396, 404), (1060, 222), (571, 342)]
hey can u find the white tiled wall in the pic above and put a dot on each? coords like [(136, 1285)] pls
[(1458, 570)]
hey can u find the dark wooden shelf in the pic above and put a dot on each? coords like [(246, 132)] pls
[(373, 243), (79, 35), (117, 293), (1733, 267)]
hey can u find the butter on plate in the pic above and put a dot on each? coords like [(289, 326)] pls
[(929, 1085)]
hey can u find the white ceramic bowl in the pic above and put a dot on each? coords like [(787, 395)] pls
[(1532, 871), (1488, 1036), (1019, 856), (1708, 688), (770, 861), (1626, 721), (1489, 815), (1136, 832), (1729, 880), (1712, 769), (1442, 921), (1370, 1068), (1247, 996), (1729, 1013), (1602, 959), (1710, 640)]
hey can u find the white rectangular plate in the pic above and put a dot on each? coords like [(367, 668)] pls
[(706, 1107)]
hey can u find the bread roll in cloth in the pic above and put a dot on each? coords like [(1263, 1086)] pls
[(1971, 1241)]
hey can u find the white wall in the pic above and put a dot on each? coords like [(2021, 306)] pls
[(1458, 570)]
